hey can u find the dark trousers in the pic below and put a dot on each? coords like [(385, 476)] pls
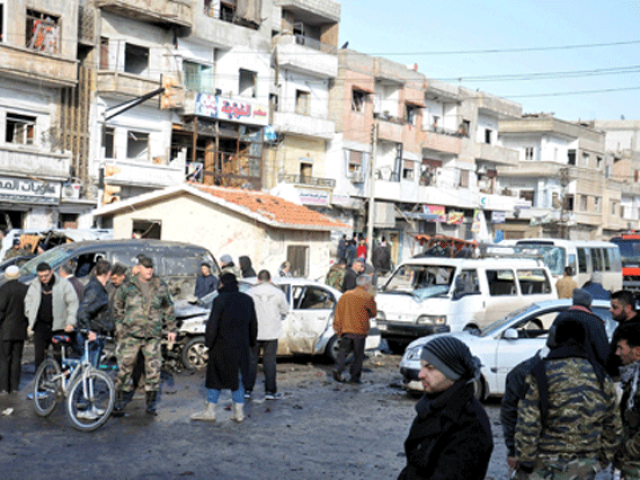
[(351, 343), (42, 335), (10, 364), (269, 349)]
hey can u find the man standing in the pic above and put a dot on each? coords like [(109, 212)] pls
[(623, 310), (351, 323), (205, 283), (51, 305), (451, 435), (336, 274), (227, 266), (342, 247), (351, 274), (566, 285), (568, 425), (595, 288), (66, 272), (627, 458), (143, 308), (13, 330), (381, 257), (93, 312), (271, 307)]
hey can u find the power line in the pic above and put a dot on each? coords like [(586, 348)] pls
[(545, 75), (580, 92)]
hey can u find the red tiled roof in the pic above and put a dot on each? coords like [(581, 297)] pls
[(273, 209)]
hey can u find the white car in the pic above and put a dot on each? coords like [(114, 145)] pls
[(308, 327), (503, 344)]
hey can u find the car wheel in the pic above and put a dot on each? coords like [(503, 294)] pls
[(195, 354), (333, 347)]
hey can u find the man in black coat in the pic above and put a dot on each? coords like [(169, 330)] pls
[(450, 439), (353, 272), (13, 330), (381, 257), (231, 332)]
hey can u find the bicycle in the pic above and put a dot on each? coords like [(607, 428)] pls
[(89, 392)]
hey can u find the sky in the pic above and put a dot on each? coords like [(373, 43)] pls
[(419, 31)]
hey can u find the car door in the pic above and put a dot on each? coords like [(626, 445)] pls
[(310, 316), (467, 302), (503, 293)]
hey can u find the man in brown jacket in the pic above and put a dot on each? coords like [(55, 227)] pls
[(351, 323), (566, 285)]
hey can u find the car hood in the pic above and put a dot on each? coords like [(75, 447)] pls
[(185, 309)]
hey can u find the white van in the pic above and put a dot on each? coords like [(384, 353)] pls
[(437, 295)]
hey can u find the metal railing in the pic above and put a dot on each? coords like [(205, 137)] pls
[(306, 180), (459, 133), (316, 44)]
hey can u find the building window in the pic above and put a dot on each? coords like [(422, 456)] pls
[(528, 195), (228, 10), (136, 59), (108, 139), (598, 163), (43, 32), (20, 129), (585, 159), (597, 204), (104, 53), (306, 171), (138, 145), (568, 203), (297, 256), (613, 208), (248, 83), (147, 229), (354, 166), (487, 135), (465, 127), (198, 77), (358, 98), (411, 114), (571, 157), (274, 106), (583, 202), (302, 102), (408, 169), (528, 153), (464, 179)]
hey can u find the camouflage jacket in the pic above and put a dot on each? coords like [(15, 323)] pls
[(139, 318), (629, 452), (335, 277), (582, 417)]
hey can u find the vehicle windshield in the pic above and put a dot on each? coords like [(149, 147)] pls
[(629, 251), (54, 258), (555, 258), (421, 281), (492, 328)]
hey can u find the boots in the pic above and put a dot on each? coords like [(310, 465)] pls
[(206, 415), (238, 412), (122, 398), (151, 403)]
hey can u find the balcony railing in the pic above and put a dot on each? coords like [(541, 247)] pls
[(306, 180), (316, 44), (459, 133)]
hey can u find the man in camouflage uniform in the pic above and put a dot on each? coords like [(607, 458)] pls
[(568, 425), (627, 458), (142, 308), (335, 277)]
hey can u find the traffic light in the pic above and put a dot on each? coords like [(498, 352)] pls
[(173, 94)]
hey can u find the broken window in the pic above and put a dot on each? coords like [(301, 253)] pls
[(358, 98), (20, 129), (138, 145), (198, 77), (147, 229), (302, 102), (104, 53), (528, 195), (228, 10), (528, 153), (411, 114), (248, 81), (108, 142), (43, 32), (136, 59)]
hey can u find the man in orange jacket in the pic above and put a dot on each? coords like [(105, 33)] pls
[(351, 323)]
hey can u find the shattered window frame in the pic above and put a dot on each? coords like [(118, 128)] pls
[(20, 129), (42, 31)]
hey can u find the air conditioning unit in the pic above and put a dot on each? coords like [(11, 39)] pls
[(71, 191)]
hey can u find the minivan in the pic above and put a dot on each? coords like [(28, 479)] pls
[(431, 295), (178, 264)]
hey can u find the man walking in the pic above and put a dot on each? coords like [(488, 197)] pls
[(351, 323), (271, 307), (566, 285), (143, 308), (13, 330), (568, 425), (51, 305), (349, 281)]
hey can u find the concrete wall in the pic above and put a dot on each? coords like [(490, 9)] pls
[(317, 88), (294, 149)]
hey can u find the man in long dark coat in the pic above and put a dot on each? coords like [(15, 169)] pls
[(231, 332), (13, 330)]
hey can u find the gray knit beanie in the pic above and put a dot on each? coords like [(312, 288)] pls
[(452, 357), (582, 297)]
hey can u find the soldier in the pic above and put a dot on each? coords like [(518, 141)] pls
[(143, 308), (568, 426), (335, 277)]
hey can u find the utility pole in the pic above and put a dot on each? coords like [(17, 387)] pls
[(372, 179)]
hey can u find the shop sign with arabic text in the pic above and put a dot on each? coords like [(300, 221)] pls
[(24, 190), (231, 110)]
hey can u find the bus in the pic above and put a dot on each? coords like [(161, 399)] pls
[(629, 245), (583, 256)]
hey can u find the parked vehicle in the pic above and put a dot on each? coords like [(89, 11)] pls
[(51, 237), (629, 245), (17, 261), (503, 344), (176, 263), (308, 326)]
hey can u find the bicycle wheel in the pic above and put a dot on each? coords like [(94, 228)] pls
[(47, 387), (90, 400)]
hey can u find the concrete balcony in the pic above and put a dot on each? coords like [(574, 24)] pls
[(307, 55), (495, 154), (161, 12), (44, 68), (390, 130), (531, 169), (327, 10), (295, 124), (23, 161), (631, 189), (126, 85), (143, 174), (441, 142)]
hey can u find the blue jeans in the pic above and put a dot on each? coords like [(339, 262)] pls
[(95, 349), (236, 395)]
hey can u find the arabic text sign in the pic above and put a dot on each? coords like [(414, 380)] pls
[(309, 196), (436, 210), (241, 111), (22, 190)]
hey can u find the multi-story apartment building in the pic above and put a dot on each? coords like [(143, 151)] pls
[(435, 148), (39, 187)]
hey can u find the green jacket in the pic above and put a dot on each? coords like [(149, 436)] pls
[(145, 318), (335, 277), (628, 454)]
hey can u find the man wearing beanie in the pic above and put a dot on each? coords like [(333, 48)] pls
[(568, 426), (451, 436)]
